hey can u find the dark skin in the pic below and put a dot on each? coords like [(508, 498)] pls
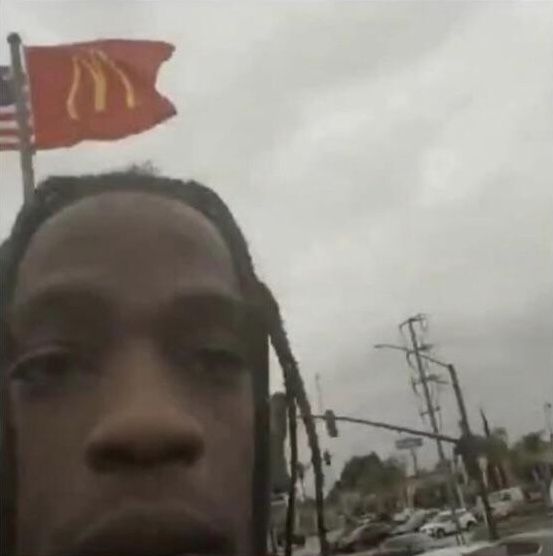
[(130, 385)]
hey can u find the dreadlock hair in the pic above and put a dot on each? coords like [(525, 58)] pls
[(56, 193)]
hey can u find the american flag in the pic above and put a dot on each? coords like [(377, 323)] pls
[(9, 138)]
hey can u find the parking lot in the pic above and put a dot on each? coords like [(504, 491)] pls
[(535, 520)]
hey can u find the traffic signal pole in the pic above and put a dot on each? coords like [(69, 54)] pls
[(329, 417), (465, 426)]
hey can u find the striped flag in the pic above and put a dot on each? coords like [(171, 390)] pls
[(8, 124), (9, 138)]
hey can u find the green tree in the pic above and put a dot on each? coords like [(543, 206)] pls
[(369, 475), (528, 458), (497, 452)]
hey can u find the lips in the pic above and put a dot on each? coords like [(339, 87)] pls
[(150, 531)]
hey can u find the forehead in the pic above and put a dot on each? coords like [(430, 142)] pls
[(133, 244)]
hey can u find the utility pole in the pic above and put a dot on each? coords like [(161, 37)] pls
[(434, 423), (465, 429)]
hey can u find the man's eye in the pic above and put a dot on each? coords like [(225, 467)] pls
[(217, 360), (214, 365), (48, 368)]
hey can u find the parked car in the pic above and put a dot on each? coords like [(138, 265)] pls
[(443, 524), (297, 539), (505, 502), (367, 518), (409, 544), (336, 537), (402, 516), (535, 543), (363, 537), (415, 522)]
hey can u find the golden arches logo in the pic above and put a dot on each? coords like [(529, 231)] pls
[(97, 63)]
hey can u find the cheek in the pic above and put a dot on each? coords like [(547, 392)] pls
[(48, 448), (229, 459), (230, 440), (50, 435)]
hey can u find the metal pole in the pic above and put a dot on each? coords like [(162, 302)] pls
[(395, 428), (319, 392), (22, 116), (465, 425), (548, 412), (415, 461), (435, 428)]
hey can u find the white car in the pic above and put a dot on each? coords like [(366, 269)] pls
[(403, 516), (506, 502), (443, 524)]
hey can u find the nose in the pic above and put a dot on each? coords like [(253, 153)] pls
[(143, 424)]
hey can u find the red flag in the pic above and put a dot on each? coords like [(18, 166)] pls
[(101, 90)]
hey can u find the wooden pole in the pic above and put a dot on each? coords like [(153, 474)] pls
[(23, 117)]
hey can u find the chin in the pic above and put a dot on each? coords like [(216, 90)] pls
[(141, 529)]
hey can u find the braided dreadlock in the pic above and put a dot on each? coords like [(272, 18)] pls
[(53, 195)]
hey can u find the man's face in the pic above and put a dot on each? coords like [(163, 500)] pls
[(131, 385)]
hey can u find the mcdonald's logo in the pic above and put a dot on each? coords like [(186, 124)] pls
[(99, 66), (98, 90)]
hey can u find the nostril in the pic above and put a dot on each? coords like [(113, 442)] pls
[(135, 443)]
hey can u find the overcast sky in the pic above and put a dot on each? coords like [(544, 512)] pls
[(384, 159)]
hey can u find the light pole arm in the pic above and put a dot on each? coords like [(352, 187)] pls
[(410, 352)]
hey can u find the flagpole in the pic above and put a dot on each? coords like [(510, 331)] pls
[(23, 116)]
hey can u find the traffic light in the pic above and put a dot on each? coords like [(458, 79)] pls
[(330, 421), (327, 458)]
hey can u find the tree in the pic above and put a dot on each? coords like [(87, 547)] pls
[(370, 476), (528, 457), (497, 452)]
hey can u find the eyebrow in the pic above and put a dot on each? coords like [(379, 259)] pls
[(64, 304), (202, 308), (58, 302)]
